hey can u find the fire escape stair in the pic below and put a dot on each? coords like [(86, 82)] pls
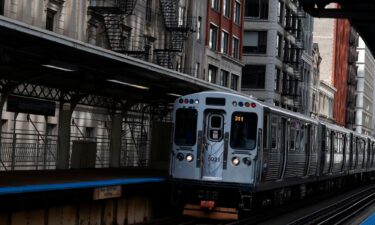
[(113, 21), (178, 33)]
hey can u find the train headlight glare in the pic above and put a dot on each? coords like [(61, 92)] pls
[(189, 157), (235, 161), (247, 161), (196, 101), (180, 156)]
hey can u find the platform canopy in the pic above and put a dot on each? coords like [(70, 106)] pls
[(37, 56), (361, 14)]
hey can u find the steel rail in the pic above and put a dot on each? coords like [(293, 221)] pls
[(340, 211)]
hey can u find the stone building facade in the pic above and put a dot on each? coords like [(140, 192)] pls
[(277, 53)]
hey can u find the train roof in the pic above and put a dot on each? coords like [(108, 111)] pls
[(286, 112), (269, 106)]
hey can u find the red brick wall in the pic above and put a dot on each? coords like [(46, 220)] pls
[(225, 23), (340, 69)]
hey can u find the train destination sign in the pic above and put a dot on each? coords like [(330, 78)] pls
[(30, 106)]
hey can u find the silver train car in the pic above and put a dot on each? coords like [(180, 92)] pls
[(231, 152)]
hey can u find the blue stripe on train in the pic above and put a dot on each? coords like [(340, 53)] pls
[(76, 185)]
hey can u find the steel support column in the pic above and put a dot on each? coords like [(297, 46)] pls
[(63, 145)]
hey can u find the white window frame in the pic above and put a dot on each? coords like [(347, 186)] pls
[(223, 33), (237, 3)]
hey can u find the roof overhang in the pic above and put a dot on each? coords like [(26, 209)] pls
[(37, 56), (361, 14)]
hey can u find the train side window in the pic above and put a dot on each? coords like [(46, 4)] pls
[(328, 141), (186, 127), (265, 131), (335, 142), (243, 130), (292, 139), (274, 136), (302, 139), (297, 143), (360, 146), (342, 143), (274, 133), (314, 139)]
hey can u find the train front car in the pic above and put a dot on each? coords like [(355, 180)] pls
[(215, 147)]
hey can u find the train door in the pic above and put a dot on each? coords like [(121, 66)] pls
[(212, 161), (283, 146)]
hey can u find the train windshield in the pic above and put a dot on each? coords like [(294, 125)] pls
[(186, 127), (243, 130)]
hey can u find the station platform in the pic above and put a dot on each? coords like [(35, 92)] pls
[(19, 182)]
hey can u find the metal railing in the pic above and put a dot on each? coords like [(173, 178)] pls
[(31, 152), (27, 152)]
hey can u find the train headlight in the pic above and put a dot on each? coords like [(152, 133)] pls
[(247, 161), (196, 101), (189, 157), (235, 161), (234, 103), (180, 156)]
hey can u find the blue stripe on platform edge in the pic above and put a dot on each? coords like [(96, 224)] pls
[(76, 185), (369, 221)]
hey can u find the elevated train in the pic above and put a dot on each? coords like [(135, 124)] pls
[(231, 152)]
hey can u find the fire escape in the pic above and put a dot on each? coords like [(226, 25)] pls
[(352, 74), (113, 14), (293, 57), (178, 28)]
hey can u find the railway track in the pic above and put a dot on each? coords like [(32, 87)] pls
[(341, 211), (334, 213)]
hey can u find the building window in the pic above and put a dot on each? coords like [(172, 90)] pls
[(215, 4), (50, 20), (278, 44), (213, 37), (196, 69), (253, 76), (212, 71), (148, 10), (277, 79), (237, 13), (224, 75), (280, 12), (226, 8), (255, 42), (181, 16), (236, 48), (199, 28), (256, 9), (90, 133), (92, 32), (225, 43), (93, 3), (234, 82), (2, 2)]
